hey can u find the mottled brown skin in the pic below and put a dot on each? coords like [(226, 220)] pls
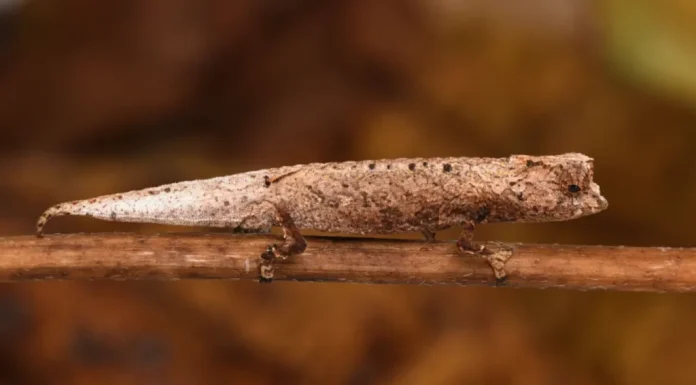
[(366, 197)]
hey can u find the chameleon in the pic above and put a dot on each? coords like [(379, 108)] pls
[(364, 197)]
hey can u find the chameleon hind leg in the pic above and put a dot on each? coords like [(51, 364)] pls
[(496, 259), (293, 244)]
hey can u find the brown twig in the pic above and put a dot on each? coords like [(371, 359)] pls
[(177, 256)]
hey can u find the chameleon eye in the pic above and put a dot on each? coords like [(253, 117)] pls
[(573, 188)]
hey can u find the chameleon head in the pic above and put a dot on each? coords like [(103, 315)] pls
[(559, 187)]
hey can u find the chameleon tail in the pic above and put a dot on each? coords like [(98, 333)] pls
[(55, 211)]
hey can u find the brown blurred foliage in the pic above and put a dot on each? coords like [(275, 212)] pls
[(100, 97)]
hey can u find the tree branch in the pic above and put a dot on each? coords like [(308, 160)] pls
[(177, 256)]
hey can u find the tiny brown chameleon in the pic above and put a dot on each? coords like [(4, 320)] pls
[(364, 197)]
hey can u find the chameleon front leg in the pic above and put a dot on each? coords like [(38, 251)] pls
[(293, 244), (429, 235), (496, 259)]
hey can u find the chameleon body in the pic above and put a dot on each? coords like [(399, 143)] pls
[(364, 197)]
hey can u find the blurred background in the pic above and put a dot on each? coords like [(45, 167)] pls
[(109, 96)]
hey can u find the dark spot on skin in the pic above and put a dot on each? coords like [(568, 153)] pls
[(318, 193), (573, 188), (92, 200), (411, 166), (227, 203), (371, 166), (345, 185), (447, 167), (531, 163), (266, 181), (119, 196), (252, 176), (482, 213), (425, 164), (57, 206), (520, 196), (389, 167), (167, 189), (74, 203), (513, 183), (113, 215), (153, 192), (390, 216), (426, 214), (366, 201)]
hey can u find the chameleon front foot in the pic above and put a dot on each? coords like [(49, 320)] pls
[(496, 258)]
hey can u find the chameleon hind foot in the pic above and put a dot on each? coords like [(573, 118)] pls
[(294, 244), (267, 265)]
